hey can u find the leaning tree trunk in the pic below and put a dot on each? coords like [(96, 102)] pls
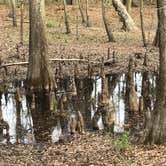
[(124, 15), (106, 24), (13, 5), (157, 134)]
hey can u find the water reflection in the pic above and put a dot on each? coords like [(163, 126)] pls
[(118, 100), (9, 115), (29, 128)]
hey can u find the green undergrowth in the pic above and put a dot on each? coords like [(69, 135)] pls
[(121, 143)]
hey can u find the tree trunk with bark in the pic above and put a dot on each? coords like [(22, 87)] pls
[(156, 39), (81, 11), (106, 24), (40, 79), (128, 22), (69, 2), (13, 5), (21, 21), (105, 105), (40, 76), (157, 131), (87, 14), (66, 18), (142, 24), (128, 5)]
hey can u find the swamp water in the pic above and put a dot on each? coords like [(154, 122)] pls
[(24, 131)]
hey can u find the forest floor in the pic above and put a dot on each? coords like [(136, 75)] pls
[(92, 148), (90, 42)]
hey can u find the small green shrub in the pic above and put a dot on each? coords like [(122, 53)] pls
[(121, 143), (49, 25)]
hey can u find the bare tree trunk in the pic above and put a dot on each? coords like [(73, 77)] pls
[(69, 2), (106, 24), (156, 39), (1, 118), (13, 5), (39, 76), (81, 11), (18, 115), (142, 24), (124, 15), (131, 96), (128, 5), (157, 133), (106, 107), (40, 79), (87, 15), (146, 87), (66, 18), (21, 21)]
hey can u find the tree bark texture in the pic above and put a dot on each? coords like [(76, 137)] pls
[(106, 24), (66, 18), (13, 5), (81, 11), (39, 76), (87, 14), (156, 39), (128, 5), (124, 15), (21, 21), (142, 24), (159, 123), (157, 134)]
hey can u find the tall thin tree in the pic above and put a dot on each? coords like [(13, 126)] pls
[(21, 20), (66, 18), (81, 11), (13, 5), (128, 5), (106, 23), (142, 24), (87, 14)]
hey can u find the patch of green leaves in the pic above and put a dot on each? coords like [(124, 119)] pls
[(50, 25), (121, 143)]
